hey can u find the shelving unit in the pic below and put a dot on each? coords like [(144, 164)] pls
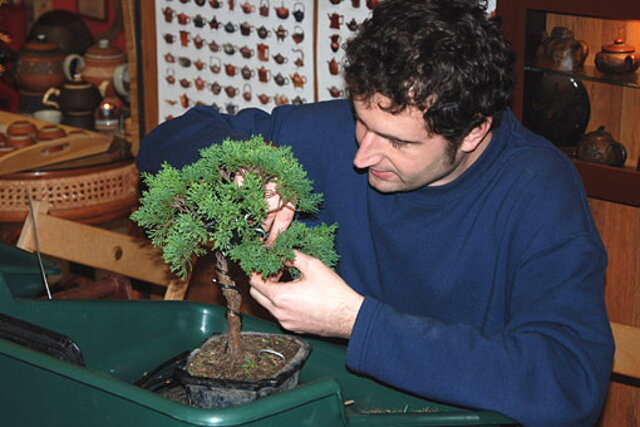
[(614, 192)]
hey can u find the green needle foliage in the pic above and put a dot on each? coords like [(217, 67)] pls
[(200, 208)]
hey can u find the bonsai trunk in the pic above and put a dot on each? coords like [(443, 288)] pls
[(233, 298)]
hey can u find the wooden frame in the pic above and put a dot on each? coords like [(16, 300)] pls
[(99, 248), (93, 9)]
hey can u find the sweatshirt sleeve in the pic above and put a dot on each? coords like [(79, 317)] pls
[(178, 141)]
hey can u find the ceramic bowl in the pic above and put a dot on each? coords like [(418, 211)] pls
[(6, 150), (20, 141), (49, 132), (21, 127)]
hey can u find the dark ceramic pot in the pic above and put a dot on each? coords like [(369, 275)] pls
[(600, 147), (77, 96)]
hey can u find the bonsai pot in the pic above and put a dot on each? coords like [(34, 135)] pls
[(217, 393)]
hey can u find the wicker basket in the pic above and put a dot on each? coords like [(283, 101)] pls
[(90, 195)]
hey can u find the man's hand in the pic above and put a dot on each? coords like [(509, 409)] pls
[(279, 214), (319, 302)]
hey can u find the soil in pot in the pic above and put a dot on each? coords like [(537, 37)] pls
[(263, 356)]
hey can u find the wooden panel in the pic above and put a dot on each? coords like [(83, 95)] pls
[(619, 227), (627, 360), (629, 125), (149, 64)]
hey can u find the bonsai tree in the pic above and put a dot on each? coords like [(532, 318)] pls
[(204, 207)]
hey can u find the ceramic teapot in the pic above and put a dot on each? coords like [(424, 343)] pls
[(39, 66), (600, 147), (618, 58), (98, 65), (77, 96), (563, 50)]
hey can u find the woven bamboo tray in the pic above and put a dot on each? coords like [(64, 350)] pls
[(91, 194)]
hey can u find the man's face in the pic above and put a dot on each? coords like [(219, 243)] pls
[(398, 151)]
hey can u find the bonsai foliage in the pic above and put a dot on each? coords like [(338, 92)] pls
[(200, 208)]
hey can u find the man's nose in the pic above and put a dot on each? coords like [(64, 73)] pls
[(369, 152)]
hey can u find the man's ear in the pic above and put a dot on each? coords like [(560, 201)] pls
[(476, 136)]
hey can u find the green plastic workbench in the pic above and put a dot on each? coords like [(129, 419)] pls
[(122, 340)]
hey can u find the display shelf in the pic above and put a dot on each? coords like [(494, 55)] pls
[(619, 185), (592, 74)]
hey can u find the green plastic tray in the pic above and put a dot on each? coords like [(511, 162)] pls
[(21, 271), (122, 340)]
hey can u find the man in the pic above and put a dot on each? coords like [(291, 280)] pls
[(471, 271)]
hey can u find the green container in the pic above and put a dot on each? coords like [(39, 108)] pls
[(123, 340), (22, 273)]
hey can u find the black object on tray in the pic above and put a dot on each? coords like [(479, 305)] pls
[(40, 339)]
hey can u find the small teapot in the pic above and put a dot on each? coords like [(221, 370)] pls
[(600, 147), (562, 50), (77, 96), (618, 58)]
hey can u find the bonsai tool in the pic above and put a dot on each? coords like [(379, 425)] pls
[(38, 254)]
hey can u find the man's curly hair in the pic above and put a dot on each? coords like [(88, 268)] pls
[(446, 57)]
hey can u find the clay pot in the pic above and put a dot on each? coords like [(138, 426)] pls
[(563, 50), (49, 132), (98, 65), (618, 58), (39, 66), (77, 96), (20, 141), (600, 147), (21, 127)]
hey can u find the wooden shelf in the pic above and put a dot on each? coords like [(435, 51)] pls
[(619, 185), (593, 74)]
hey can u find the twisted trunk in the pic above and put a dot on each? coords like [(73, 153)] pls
[(234, 299)]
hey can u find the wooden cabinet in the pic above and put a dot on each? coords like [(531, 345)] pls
[(614, 192)]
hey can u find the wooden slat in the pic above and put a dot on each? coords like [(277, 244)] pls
[(627, 357)]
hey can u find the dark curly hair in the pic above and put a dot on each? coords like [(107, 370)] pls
[(446, 57)]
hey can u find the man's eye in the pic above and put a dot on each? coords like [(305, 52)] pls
[(395, 143)]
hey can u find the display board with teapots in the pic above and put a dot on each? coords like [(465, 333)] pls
[(234, 54)]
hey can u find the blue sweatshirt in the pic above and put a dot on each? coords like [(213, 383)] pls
[(486, 292)]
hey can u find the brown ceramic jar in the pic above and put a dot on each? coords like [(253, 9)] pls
[(39, 66)]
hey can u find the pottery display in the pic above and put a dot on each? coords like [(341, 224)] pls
[(617, 58), (100, 65), (600, 147), (562, 50), (39, 66)]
